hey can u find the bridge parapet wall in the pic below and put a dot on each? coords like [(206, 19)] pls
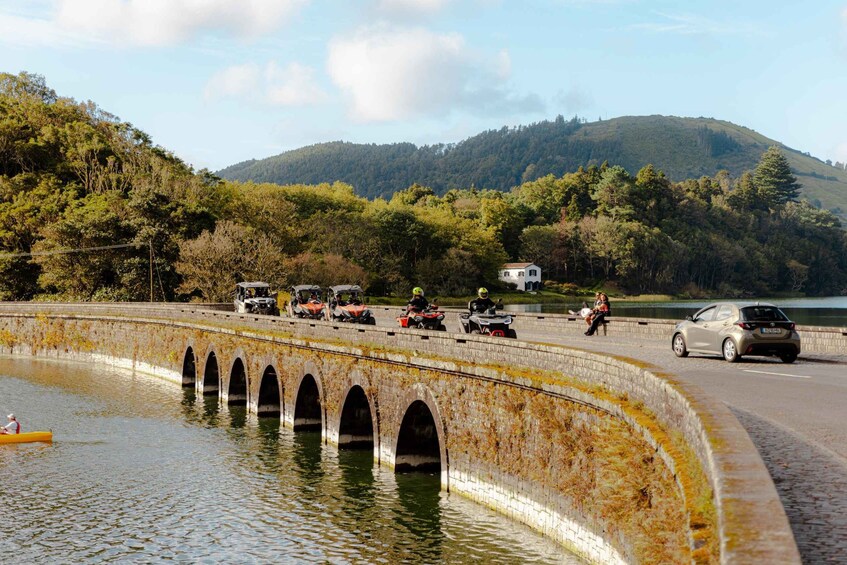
[(751, 522), (815, 339)]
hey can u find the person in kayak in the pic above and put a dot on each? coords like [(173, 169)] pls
[(13, 427)]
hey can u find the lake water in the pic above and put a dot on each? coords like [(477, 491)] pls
[(142, 471), (829, 311)]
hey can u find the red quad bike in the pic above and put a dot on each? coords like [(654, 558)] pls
[(345, 305), (429, 319), (306, 302)]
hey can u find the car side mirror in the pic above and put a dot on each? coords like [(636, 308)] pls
[(689, 318)]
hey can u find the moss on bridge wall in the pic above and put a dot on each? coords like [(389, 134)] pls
[(588, 455)]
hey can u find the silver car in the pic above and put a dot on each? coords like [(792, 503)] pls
[(733, 330)]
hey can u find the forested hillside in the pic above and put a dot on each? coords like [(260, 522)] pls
[(73, 178), (501, 159)]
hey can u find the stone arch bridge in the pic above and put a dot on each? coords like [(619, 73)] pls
[(617, 461)]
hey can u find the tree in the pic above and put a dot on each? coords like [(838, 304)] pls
[(325, 270), (773, 179), (97, 220), (211, 264)]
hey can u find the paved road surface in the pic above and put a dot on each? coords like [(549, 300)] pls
[(795, 414)]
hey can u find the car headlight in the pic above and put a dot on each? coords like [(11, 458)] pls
[(418, 318), (508, 321), (440, 317)]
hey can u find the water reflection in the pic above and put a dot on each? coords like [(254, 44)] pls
[(142, 470), (419, 512), (357, 482)]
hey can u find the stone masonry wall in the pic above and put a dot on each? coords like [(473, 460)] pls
[(498, 446)]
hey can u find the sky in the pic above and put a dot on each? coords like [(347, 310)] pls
[(221, 81)]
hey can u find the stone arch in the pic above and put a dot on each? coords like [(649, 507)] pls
[(211, 374), (308, 413), (189, 368), (269, 398), (357, 424), (236, 394), (421, 439)]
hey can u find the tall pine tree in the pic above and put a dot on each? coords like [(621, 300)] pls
[(774, 182)]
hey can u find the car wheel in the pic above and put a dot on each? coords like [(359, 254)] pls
[(474, 331), (730, 352), (442, 328), (788, 357), (512, 334), (679, 348)]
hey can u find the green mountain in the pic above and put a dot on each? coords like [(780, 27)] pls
[(681, 147)]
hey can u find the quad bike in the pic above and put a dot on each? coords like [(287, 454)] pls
[(345, 305), (428, 319), (306, 302), (255, 298), (488, 323)]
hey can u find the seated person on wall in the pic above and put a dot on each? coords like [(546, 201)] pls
[(586, 313), (418, 303), (602, 309), (482, 303)]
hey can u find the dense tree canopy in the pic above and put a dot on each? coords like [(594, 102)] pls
[(73, 177)]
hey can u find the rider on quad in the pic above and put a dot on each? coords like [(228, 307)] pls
[(481, 303), (418, 303)]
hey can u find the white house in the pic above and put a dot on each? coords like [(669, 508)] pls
[(527, 276)]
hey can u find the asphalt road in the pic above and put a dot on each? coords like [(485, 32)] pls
[(796, 415)]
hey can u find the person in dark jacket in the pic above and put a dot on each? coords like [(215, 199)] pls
[(481, 303), (418, 303), (602, 309)]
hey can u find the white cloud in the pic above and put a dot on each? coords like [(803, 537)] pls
[(392, 74), (573, 101), (293, 85), (409, 8), (691, 24), (168, 22), (32, 31), (237, 80)]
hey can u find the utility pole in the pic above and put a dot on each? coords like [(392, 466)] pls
[(150, 243)]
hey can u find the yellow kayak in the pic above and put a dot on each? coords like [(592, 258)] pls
[(26, 437)]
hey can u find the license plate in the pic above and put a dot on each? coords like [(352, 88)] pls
[(771, 330)]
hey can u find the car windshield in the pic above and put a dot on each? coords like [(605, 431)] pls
[(763, 314)]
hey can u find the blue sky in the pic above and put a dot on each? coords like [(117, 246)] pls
[(221, 81)]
